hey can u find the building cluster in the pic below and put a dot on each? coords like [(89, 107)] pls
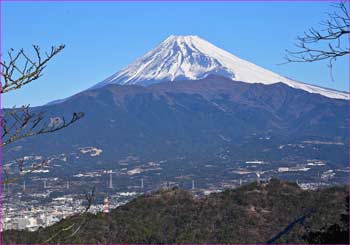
[(31, 216)]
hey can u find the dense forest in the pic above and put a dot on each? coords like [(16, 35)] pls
[(269, 212)]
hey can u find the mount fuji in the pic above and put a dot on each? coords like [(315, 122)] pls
[(192, 58), (188, 104)]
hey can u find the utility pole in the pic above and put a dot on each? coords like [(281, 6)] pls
[(110, 181), (257, 177)]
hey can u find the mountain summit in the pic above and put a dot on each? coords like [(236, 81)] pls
[(192, 58)]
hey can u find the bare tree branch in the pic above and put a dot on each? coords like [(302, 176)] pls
[(328, 43), (75, 227), (23, 122), (20, 69), (21, 170), (19, 123), (90, 198)]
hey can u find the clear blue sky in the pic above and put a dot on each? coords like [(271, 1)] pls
[(103, 37)]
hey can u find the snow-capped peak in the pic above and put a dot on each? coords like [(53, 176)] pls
[(192, 58)]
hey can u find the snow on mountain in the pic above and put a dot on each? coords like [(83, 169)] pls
[(192, 58)]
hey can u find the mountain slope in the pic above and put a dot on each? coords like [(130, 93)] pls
[(192, 58), (250, 214), (196, 118)]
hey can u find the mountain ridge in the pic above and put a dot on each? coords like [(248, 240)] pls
[(181, 116)]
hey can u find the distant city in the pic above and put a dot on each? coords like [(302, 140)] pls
[(39, 199)]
